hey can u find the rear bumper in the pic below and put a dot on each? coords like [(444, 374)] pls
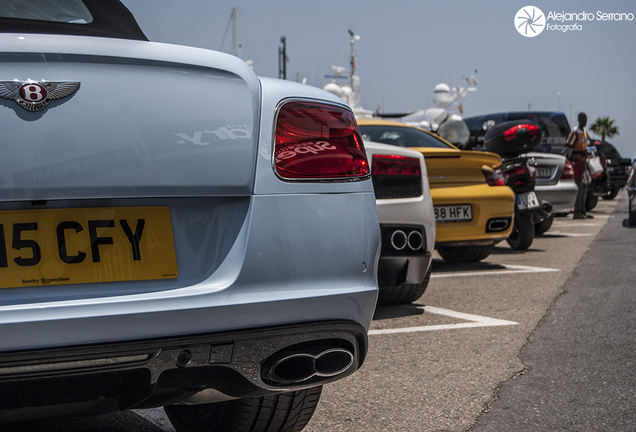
[(618, 182), (149, 373), (403, 270), (405, 255), (298, 258), (488, 203), (561, 195)]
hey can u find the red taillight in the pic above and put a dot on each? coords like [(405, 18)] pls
[(395, 165), (492, 178), (568, 171), (518, 174), (316, 141), (522, 171), (527, 131)]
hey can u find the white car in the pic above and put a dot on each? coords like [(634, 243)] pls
[(407, 221)]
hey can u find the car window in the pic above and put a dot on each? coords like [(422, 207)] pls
[(609, 151), (62, 11), (553, 125), (476, 124), (400, 136)]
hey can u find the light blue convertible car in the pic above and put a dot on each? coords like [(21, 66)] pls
[(174, 230)]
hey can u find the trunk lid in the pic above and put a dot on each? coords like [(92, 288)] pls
[(147, 120), (139, 180), (451, 167)]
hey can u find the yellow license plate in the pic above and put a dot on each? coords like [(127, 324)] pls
[(85, 245)]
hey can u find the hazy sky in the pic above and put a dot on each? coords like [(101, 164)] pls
[(407, 47)]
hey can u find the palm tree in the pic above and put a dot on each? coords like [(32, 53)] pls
[(604, 127)]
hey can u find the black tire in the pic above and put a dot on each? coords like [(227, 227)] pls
[(631, 213), (522, 233), (544, 225), (611, 194), (591, 202), (405, 293), (457, 254), (288, 412)]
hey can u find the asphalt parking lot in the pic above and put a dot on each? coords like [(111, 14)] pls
[(438, 364)]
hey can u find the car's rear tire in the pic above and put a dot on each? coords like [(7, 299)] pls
[(289, 411), (611, 194), (405, 293), (455, 254), (631, 212), (522, 233), (591, 202), (544, 225)]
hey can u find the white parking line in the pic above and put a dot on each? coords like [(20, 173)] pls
[(562, 234), (512, 269), (582, 224), (476, 321), (588, 222)]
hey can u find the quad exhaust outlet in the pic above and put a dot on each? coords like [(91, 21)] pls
[(295, 367)]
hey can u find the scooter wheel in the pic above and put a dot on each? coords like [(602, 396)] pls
[(522, 233)]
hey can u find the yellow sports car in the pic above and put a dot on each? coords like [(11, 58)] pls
[(473, 207)]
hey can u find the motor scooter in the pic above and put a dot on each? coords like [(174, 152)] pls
[(512, 140)]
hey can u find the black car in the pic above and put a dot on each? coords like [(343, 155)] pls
[(617, 168), (554, 126)]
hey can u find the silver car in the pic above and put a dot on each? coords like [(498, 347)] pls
[(554, 185), (174, 230)]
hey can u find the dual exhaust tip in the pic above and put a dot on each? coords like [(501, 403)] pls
[(400, 240), (295, 366), (498, 224)]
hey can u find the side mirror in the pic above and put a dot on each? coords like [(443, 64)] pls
[(488, 124)]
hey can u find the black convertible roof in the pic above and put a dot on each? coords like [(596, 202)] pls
[(111, 19)]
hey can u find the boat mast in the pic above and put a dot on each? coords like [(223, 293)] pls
[(282, 58), (234, 14), (354, 37)]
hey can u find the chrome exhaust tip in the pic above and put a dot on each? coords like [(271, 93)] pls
[(498, 224), (543, 212), (399, 240), (294, 366), (415, 240)]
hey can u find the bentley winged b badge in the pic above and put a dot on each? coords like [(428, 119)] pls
[(35, 95)]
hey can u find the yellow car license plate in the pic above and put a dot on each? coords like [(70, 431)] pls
[(455, 213), (85, 245)]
